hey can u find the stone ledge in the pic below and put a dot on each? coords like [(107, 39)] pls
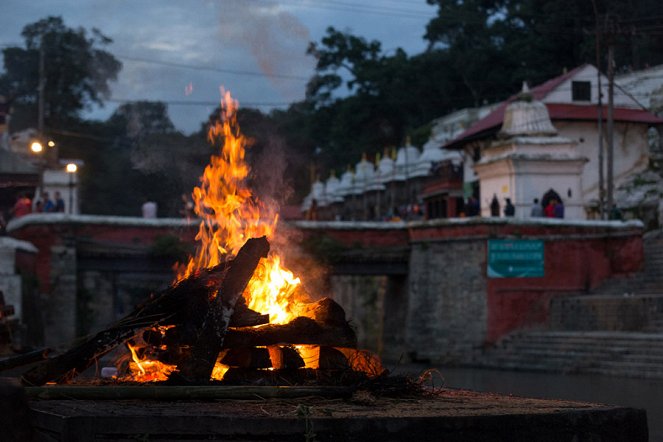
[(450, 415)]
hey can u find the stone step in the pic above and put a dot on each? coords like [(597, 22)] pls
[(630, 354), (590, 336), (640, 349), (575, 356)]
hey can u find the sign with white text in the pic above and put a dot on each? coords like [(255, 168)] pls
[(515, 258)]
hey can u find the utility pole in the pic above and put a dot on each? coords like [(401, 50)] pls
[(602, 211), (41, 89), (610, 121)]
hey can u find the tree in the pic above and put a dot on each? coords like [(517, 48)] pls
[(77, 71)]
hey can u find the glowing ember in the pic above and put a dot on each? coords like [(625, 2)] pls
[(146, 370)]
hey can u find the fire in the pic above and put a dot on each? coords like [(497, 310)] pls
[(147, 370), (231, 214)]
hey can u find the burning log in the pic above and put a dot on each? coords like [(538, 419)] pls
[(332, 359), (245, 317), (247, 358), (216, 319), (172, 306), (300, 331), (284, 357)]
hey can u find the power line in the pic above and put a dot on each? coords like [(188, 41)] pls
[(209, 68), (198, 102), (362, 9)]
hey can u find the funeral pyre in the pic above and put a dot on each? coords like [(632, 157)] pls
[(234, 313)]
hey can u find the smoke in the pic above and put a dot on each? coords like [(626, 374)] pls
[(277, 40), (268, 170)]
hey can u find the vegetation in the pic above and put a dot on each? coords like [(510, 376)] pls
[(361, 99)]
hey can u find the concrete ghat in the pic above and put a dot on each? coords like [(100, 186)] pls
[(452, 415)]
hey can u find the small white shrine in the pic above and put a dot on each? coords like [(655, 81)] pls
[(528, 159)]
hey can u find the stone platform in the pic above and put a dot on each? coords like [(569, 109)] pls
[(448, 415)]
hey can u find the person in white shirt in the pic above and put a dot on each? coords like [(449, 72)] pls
[(149, 209)]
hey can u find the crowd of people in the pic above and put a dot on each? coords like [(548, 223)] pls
[(24, 205)]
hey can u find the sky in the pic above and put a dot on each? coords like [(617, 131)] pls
[(182, 51)]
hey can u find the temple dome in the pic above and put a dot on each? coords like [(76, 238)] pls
[(364, 173), (331, 188), (526, 117), (346, 185), (406, 161), (385, 170), (318, 193)]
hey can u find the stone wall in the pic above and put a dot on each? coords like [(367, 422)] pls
[(362, 298), (418, 289), (447, 311)]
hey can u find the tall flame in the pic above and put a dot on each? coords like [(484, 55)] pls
[(231, 214)]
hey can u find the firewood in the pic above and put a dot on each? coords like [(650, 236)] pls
[(247, 358), (245, 317), (215, 321), (299, 376), (332, 359), (165, 308), (325, 311), (24, 359), (284, 357), (301, 330)]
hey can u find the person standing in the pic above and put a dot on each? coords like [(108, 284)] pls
[(48, 205), (473, 208), (59, 202), (509, 208), (149, 209), (549, 210), (558, 211), (494, 206), (22, 207), (537, 209)]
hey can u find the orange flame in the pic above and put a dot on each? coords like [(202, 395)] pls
[(230, 215), (146, 370)]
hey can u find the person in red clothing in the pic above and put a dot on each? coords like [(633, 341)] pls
[(22, 207), (549, 210)]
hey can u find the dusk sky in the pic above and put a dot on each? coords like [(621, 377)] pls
[(181, 52)]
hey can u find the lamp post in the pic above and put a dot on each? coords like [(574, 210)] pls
[(71, 169)]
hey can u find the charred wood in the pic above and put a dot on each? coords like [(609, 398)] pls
[(167, 307), (299, 376), (245, 317), (302, 331), (216, 318), (247, 358), (24, 359), (284, 357), (326, 311), (332, 359)]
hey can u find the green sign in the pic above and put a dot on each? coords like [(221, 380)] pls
[(515, 258)]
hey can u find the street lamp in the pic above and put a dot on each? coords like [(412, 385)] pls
[(36, 147), (71, 169)]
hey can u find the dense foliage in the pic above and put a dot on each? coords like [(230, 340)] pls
[(361, 99)]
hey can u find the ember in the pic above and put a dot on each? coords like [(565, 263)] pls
[(233, 313)]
